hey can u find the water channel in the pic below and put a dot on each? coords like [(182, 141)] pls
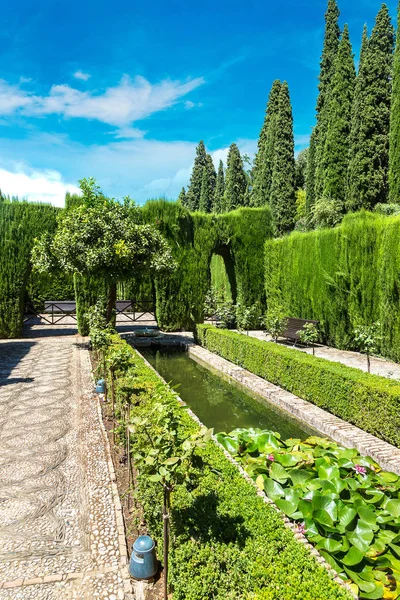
[(218, 401)]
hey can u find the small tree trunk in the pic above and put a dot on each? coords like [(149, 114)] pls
[(166, 538), (111, 300), (313, 349), (112, 404), (368, 363)]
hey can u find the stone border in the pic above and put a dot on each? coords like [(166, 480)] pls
[(386, 455), (287, 522)]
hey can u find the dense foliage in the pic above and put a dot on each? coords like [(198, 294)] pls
[(365, 400), (226, 543), (394, 147), (345, 277), (343, 502), (20, 224), (193, 238)]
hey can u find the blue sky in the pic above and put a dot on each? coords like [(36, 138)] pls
[(124, 91)]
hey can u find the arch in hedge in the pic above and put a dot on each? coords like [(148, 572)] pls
[(224, 251)]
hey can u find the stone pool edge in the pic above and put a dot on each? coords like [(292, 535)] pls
[(342, 432)]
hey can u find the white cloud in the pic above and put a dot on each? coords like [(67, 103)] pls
[(81, 75), (127, 102), (35, 185)]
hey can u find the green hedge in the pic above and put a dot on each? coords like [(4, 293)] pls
[(368, 401), (341, 277), (194, 237), (20, 223), (226, 543)]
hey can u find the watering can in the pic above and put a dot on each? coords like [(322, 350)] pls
[(143, 563), (101, 386)]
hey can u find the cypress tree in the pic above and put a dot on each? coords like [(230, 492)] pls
[(336, 152), (282, 196), (204, 204), (235, 182), (329, 52), (301, 163), (310, 174), (194, 190), (218, 205), (182, 197), (263, 162), (369, 139), (394, 139)]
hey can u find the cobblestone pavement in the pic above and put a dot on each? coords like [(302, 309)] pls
[(61, 528)]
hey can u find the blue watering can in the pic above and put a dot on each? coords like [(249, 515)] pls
[(101, 386), (143, 563)]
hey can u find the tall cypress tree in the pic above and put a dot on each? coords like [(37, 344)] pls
[(235, 182), (315, 184), (182, 197), (282, 196), (310, 174), (207, 186), (263, 161), (394, 139), (339, 107), (368, 181), (218, 204), (194, 190)]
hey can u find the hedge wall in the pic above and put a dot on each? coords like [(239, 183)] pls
[(194, 237), (20, 223), (226, 543), (341, 277), (368, 401)]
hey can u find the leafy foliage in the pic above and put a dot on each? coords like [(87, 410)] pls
[(218, 205), (365, 400), (235, 181), (226, 543), (196, 179), (394, 139), (275, 322), (344, 503)]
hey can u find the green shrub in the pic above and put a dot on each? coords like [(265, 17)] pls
[(226, 543), (368, 401)]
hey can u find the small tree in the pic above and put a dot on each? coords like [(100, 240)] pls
[(309, 335), (118, 359), (246, 317), (275, 323), (164, 452), (105, 239), (225, 314), (366, 339)]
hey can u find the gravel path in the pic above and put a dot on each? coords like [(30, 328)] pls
[(61, 530)]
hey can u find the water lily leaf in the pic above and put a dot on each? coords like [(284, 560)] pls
[(325, 503), (368, 515), (377, 548), (323, 517), (273, 488), (395, 548), (346, 515), (267, 440), (300, 477), (287, 460), (260, 482), (377, 593), (393, 507), (373, 496), (286, 506), (331, 561), (328, 472), (361, 537), (388, 477), (330, 544), (311, 528), (278, 473), (353, 557), (305, 506), (292, 442), (365, 586), (231, 445)]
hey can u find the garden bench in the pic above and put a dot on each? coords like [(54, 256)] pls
[(293, 326)]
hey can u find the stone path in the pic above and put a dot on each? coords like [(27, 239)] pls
[(61, 528), (379, 366)]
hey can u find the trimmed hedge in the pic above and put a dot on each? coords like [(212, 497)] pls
[(226, 543), (368, 401), (340, 277)]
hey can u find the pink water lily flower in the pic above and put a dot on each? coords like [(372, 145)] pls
[(360, 469), (270, 457), (301, 528)]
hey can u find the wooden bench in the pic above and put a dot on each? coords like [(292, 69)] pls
[(293, 326)]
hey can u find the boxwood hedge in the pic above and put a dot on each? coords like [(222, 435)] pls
[(226, 543), (368, 401)]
